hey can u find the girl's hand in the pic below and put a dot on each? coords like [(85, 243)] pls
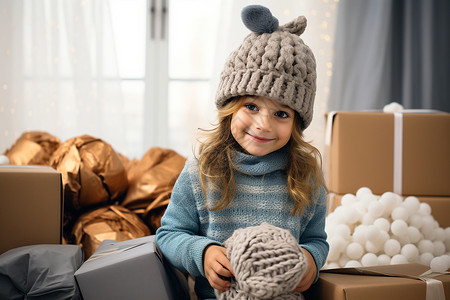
[(216, 264), (309, 276)]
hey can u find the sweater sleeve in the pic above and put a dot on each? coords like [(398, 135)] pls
[(314, 237), (178, 236)]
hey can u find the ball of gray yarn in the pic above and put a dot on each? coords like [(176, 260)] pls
[(267, 261)]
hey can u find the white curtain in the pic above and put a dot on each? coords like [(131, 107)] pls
[(58, 71), (319, 36)]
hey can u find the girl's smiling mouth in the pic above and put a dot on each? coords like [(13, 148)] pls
[(259, 139)]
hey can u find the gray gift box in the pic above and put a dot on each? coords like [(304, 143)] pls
[(133, 269)]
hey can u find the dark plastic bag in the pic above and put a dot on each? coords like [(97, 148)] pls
[(40, 272)]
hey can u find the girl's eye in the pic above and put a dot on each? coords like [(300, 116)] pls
[(251, 107), (282, 114)]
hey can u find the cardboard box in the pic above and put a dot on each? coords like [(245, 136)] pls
[(440, 207), (403, 153), (133, 269), (399, 282), (31, 206)]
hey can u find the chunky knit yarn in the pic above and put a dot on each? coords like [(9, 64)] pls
[(267, 261), (272, 62)]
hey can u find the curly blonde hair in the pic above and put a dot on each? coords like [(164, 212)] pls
[(218, 148)]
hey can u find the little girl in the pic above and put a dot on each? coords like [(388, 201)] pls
[(254, 166)]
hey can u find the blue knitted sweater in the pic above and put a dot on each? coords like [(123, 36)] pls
[(187, 226)]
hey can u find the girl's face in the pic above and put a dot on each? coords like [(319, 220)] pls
[(262, 125)]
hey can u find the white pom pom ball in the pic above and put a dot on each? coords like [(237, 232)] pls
[(399, 227), (353, 264), (412, 204), (410, 252), (416, 221), (382, 224), (348, 200), (367, 199), (392, 247), (424, 209), (439, 248), (393, 107), (369, 259), (429, 234), (372, 232), (367, 219), (425, 258), (337, 245), (414, 234), (360, 207), (375, 209), (404, 239), (384, 259), (389, 201), (440, 234), (447, 258), (426, 246), (351, 215), (338, 215), (363, 191), (373, 246), (439, 264), (354, 250), (359, 235), (383, 237), (343, 230), (400, 213), (398, 259)]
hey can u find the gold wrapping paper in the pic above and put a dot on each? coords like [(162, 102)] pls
[(32, 148), (151, 181), (92, 172), (154, 212), (107, 223)]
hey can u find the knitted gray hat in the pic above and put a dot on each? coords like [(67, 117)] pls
[(272, 62), (267, 261)]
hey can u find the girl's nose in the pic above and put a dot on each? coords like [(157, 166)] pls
[(263, 122)]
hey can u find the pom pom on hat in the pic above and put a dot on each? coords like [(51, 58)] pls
[(259, 19)]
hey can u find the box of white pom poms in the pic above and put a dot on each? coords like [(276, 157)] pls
[(407, 153), (369, 230), (399, 282)]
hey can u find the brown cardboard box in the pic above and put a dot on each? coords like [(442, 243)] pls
[(31, 206), (399, 282), (361, 153), (440, 207)]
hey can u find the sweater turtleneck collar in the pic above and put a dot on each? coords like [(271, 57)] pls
[(260, 165)]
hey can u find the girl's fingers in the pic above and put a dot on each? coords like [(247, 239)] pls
[(226, 265), (218, 283)]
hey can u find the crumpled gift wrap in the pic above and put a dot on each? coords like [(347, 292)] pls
[(32, 148), (92, 172), (151, 182), (107, 223)]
